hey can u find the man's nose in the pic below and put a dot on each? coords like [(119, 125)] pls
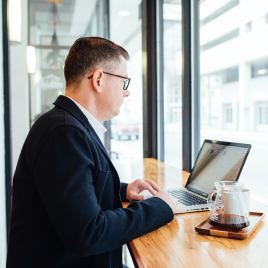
[(126, 93)]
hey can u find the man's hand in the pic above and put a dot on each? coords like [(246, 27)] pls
[(138, 186), (169, 199)]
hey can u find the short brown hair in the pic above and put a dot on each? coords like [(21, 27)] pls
[(88, 53)]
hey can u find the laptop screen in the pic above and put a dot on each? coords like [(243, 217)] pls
[(217, 161)]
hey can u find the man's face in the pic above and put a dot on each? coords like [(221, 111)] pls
[(113, 88)]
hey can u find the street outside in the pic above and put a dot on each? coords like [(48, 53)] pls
[(254, 174)]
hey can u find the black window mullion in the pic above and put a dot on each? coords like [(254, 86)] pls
[(186, 87), (149, 72)]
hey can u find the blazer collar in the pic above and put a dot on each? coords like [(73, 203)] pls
[(68, 105)]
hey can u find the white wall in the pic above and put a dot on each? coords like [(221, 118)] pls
[(3, 246)]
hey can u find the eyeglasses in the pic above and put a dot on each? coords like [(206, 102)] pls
[(126, 83)]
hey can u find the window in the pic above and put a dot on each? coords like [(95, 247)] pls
[(230, 75), (172, 65), (228, 113), (257, 23), (234, 82), (52, 30), (263, 113), (126, 128), (259, 68)]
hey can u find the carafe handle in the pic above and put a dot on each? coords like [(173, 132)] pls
[(210, 202)]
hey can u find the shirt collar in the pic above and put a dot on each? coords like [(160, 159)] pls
[(97, 126)]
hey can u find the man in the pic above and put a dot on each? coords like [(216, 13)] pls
[(67, 209)]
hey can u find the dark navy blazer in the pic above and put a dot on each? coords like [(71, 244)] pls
[(66, 204)]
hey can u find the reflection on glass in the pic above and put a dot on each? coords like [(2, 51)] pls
[(126, 128), (234, 82), (172, 37), (53, 28), (48, 80)]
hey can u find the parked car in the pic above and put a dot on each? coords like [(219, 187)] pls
[(126, 129)]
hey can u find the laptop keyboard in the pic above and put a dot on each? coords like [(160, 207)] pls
[(186, 198)]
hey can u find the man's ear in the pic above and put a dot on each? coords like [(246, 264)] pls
[(97, 80)]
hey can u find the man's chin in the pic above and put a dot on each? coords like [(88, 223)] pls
[(115, 114)]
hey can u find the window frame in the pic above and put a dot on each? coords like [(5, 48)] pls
[(153, 95), (7, 113)]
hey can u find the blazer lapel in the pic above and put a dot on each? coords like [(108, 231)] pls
[(71, 107)]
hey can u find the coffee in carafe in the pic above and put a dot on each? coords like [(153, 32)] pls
[(230, 221), (228, 210)]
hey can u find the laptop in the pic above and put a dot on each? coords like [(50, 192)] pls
[(216, 161)]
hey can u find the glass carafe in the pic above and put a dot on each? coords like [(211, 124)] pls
[(228, 209)]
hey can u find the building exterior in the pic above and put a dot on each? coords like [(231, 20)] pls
[(234, 65)]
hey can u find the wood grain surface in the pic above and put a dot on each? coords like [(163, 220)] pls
[(177, 244)]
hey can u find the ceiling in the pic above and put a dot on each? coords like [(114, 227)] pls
[(126, 31)]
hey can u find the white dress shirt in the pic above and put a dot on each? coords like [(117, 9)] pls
[(97, 126)]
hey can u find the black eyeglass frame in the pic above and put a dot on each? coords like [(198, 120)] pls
[(126, 83)]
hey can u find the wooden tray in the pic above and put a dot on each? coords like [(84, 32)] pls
[(254, 217)]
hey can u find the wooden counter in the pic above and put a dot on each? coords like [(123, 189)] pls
[(177, 244)]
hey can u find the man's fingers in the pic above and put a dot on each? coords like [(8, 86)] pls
[(153, 184), (147, 186), (138, 197)]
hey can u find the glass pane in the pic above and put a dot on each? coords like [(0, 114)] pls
[(48, 82), (125, 31), (234, 82), (172, 37), (53, 28)]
